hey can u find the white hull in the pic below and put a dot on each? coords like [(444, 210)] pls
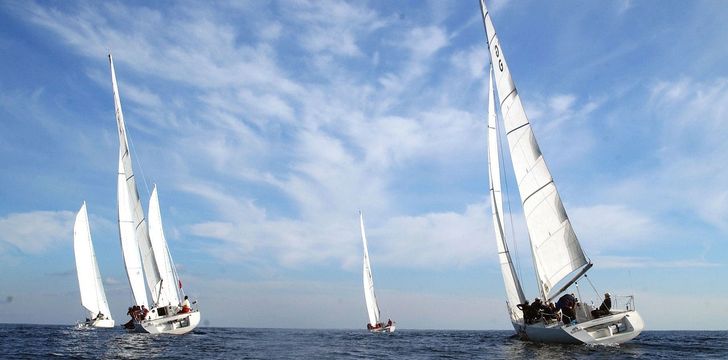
[(177, 324), (101, 323), (386, 329), (617, 328)]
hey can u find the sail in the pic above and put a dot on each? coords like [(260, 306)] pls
[(134, 233), (556, 251), (168, 294), (369, 296), (93, 296), (514, 292), (129, 246)]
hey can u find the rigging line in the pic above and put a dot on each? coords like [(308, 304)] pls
[(139, 164), (504, 179), (594, 288)]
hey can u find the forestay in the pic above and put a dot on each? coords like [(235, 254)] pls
[(556, 250), (369, 296), (514, 292), (168, 294), (93, 297)]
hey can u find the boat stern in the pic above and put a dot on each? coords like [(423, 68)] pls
[(177, 324), (103, 323), (616, 328)]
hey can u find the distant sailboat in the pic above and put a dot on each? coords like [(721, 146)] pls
[(93, 297), (558, 258), (138, 248), (374, 325)]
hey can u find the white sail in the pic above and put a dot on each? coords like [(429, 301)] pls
[(514, 292), (556, 250), (168, 294), (93, 296), (132, 224), (369, 296)]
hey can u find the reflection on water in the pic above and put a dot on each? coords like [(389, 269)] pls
[(127, 345), (42, 341)]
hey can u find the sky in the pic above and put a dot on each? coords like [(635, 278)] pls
[(267, 125)]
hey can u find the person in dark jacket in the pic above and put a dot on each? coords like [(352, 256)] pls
[(604, 308)]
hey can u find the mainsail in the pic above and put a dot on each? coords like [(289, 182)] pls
[(556, 251), (168, 294), (93, 297), (132, 224), (369, 296), (514, 293)]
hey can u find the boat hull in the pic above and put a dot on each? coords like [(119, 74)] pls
[(103, 323), (617, 328), (386, 329), (100, 323), (177, 324)]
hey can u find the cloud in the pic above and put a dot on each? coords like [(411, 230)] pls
[(35, 232), (320, 142), (614, 227), (636, 262), (331, 26), (112, 281), (474, 61), (693, 141), (424, 42), (436, 239)]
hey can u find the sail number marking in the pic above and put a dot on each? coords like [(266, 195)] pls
[(497, 54)]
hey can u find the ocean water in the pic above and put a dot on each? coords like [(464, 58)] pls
[(59, 342)]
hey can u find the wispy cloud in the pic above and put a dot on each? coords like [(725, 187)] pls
[(37, 231), (633, 262)]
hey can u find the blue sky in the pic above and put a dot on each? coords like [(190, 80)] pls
[(267, 125)]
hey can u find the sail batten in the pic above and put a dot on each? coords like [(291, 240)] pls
[(555, 248)]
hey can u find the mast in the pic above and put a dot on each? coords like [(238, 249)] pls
[(557, 254), (369, 296), (93, 296), (132, 224), (514, 292)]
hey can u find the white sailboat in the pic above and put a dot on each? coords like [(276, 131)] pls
[(140, 259), (93, 296), (559, 260), (167, 316), (374, 325)]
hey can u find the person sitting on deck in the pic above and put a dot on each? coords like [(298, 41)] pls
[(549, 311), (389, 322), (604, 308), (185, 305), (131, 312), (527, 313), (538, 309), (143, 312)]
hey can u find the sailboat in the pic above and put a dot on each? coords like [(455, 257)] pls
[(93, 297), (558, 257), (374, 325), (167, 316), (138, 249)]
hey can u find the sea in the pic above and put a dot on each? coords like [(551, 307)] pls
[(68, 342)]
